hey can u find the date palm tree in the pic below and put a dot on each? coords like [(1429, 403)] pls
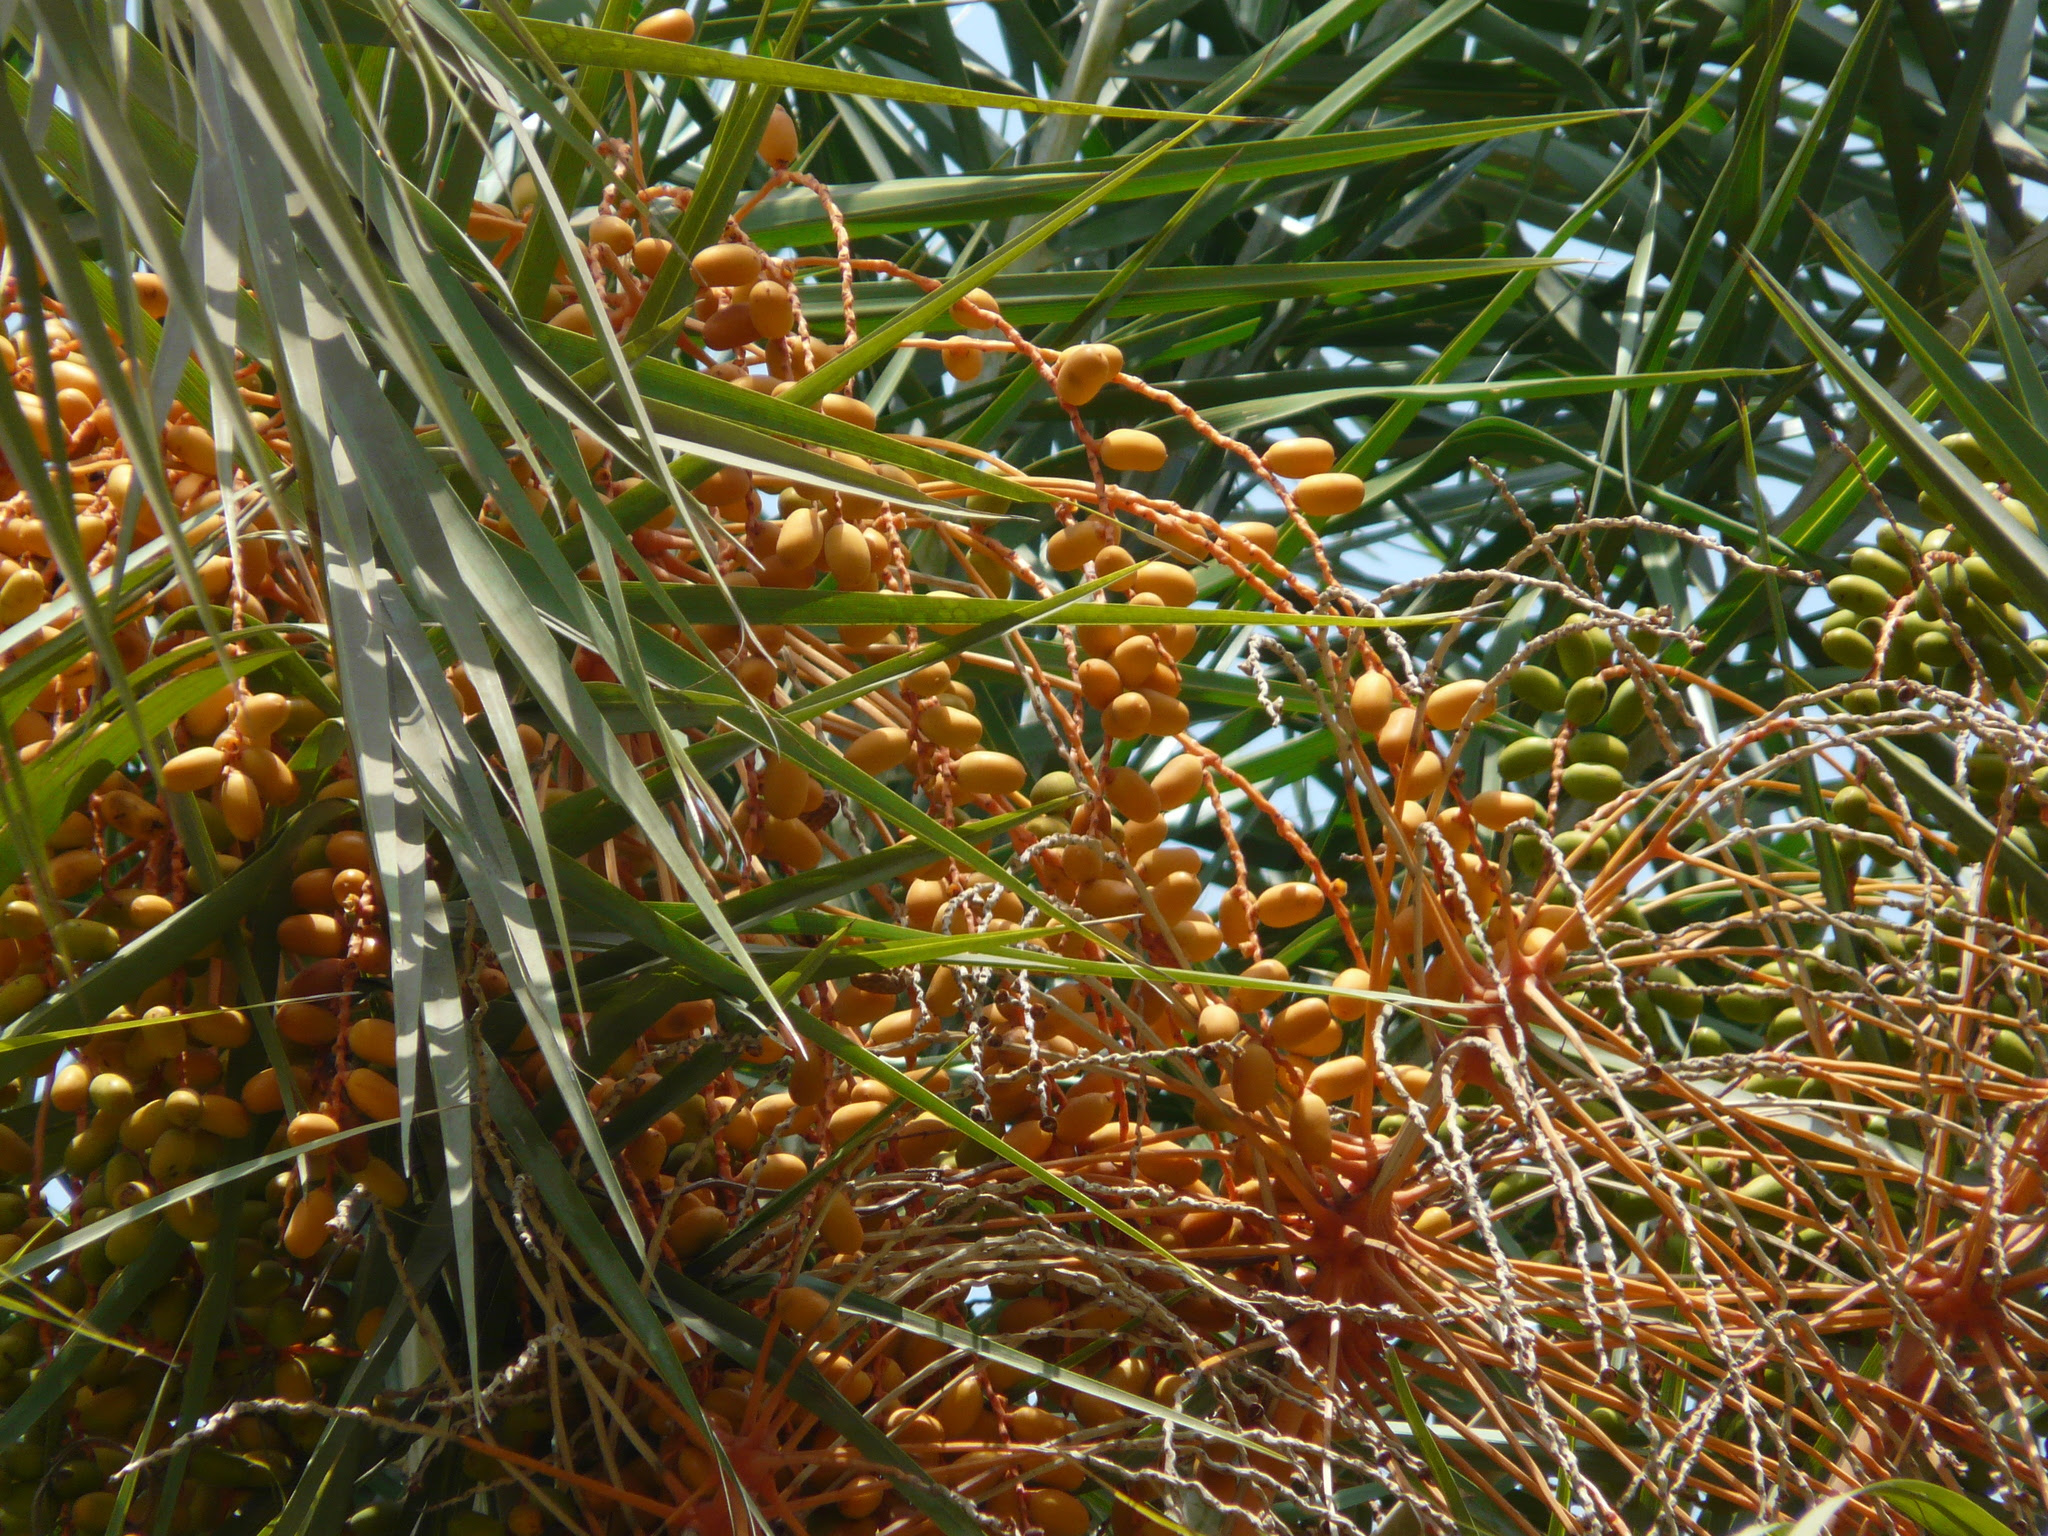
[(878, 768)]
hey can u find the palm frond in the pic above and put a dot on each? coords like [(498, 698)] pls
[(899, 767)]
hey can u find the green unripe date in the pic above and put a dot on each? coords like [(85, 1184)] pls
[(1596, 782), (1888, 572), (1671, 991), (1859, 595), (1984, 582), (1850, 806), (1538, 687), (1582, 652), (1626, 713), (1937, 648), (1515, 1186), (1585, 701), (1598, 747), (1529, 758), (2010, 1050), (1748, 1005), (1849, 648)]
